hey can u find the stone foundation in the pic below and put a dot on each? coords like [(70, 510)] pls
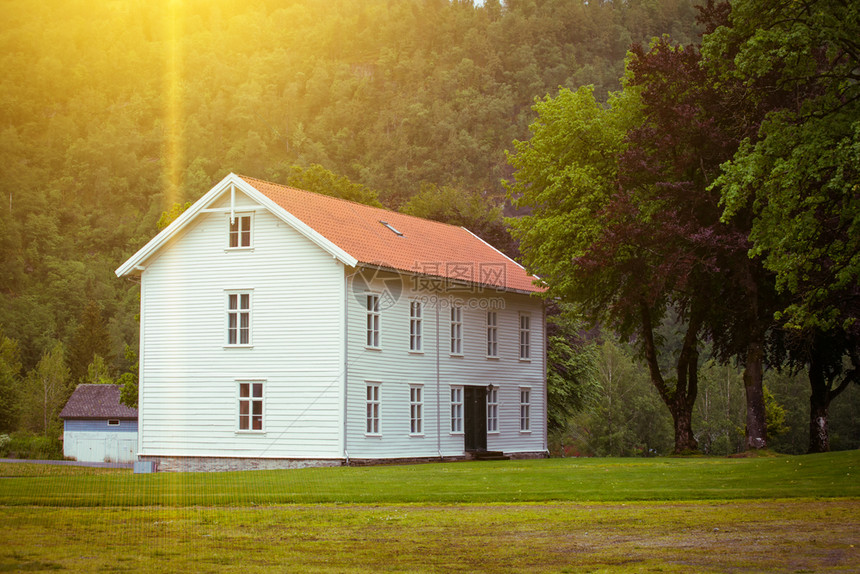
[(223, 464), (407, 460), (527, 455), (419, 460)]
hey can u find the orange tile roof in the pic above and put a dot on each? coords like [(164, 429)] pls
[(425, 247)]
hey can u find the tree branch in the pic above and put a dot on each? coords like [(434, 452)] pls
[(651, 353)]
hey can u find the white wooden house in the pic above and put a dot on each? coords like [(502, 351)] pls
[(281, 328), (97, 427)]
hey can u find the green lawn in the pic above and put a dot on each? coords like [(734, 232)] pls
[(584, 479), (789, 514)]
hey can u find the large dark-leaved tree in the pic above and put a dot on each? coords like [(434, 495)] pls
[(592, 241), (690, 127)]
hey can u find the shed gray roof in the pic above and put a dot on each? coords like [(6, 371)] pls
[(96, 402)]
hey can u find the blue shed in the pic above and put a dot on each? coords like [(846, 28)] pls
[(97, 427)]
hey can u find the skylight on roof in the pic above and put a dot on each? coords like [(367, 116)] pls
[(391, 227)]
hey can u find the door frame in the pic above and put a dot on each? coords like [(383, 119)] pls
[(474, 418)]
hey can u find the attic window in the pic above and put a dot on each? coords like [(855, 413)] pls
[(240, 231), (391, 227), (113, 422)]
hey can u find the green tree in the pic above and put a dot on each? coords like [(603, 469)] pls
[(128, 381), (463, 209), (10, 382), (800, 171), (90, 339), (98, 372), (627, 417), (720, 411), (776, 415), (169, 216), (320, 180), (572, 382), (798, 174), (47, 388)]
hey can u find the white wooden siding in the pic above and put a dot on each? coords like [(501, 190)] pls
[(189, 404), (395, 368)]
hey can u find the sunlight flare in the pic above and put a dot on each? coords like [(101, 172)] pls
[(174, 149)]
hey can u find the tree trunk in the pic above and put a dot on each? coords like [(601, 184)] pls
[(819, 403), (682, 416), (758, 317), (819, 433), (681, 399), (45, 410), (823, 381), (687, 390), (756, 431)]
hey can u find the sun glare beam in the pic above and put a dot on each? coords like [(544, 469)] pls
[(174, 148)]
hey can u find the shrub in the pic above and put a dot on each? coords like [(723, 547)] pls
[(28, 445)]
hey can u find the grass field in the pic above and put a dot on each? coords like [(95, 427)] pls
[(786, 514)]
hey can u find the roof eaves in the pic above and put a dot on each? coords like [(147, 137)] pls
[(494, 249), (97, 417), (135, 261), (175, 226), (534, 277)]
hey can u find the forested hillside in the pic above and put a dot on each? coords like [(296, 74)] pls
[(112, 111)]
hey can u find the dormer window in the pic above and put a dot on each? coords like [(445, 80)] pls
[(240, 232)]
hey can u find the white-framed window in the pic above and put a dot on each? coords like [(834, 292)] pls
[(456, 409), (456, 330), (525, 409), (493, 409), (240, 231), (373, 320), (251, 406), (416, 409), (525, 336), (373, 405), (239, 318), (492, 334), (113, 422), (416, 313)]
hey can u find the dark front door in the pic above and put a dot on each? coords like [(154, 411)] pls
[(475, 418)]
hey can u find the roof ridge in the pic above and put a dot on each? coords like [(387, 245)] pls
[(267, 182), (350, 201), (97, 385)]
